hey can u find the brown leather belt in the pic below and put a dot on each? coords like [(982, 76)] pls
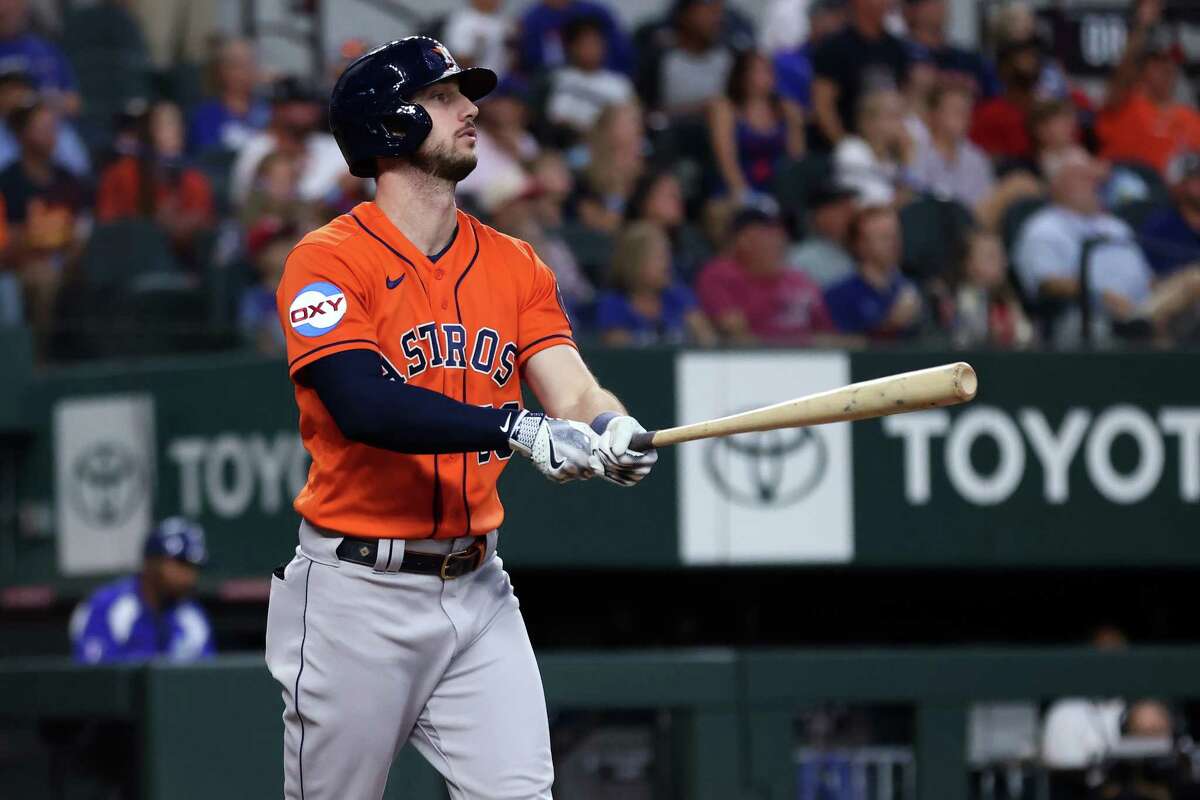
[(446, 566)]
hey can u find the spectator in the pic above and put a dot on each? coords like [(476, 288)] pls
[(948, 165), (784, 25), (295, 112), (877, 300), (616, 159), (583, 88), (269, 241), (1076, 732), (1001, 125), (793, 65), (1171, 236), (510, 203), (21, 50), (862, 59), (750, 294), (984, 310), (823, 254), (1050, 247), (150, 614), (502, 137), (1053, 129), (873, 162), (919, 85), (46, 209), (70, 153), (234, 114), (926, 22), (658, 198), (176, 31), (752, 129), (694, 62), (478, 35), (157, 185), (275, 197), (1015, 21), (541, 44), (1141, 121), (647, 306)]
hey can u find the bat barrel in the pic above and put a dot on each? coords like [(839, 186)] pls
[(947, 385)]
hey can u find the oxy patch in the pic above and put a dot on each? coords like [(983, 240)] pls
[(317, 309)]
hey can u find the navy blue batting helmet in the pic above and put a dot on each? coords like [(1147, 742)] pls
[(371, 112), (178, 538)]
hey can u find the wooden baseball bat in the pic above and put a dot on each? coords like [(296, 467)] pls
[(947, 385)]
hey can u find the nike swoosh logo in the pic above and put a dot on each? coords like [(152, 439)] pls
[(507, 423), (392, 284), (555, 463)]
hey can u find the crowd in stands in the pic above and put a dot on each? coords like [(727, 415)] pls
[(835, 173)]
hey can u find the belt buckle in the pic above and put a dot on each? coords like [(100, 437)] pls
[(474, 552)]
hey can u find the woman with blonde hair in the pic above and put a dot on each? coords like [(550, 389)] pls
[(616, 159), (646, 306)]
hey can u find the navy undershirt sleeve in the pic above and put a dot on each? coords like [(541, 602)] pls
[(373, 409)]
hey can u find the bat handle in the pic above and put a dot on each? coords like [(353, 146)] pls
[(642, 442)]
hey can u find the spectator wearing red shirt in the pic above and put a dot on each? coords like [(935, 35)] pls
[(1141, 120), (1001, 125), (753, 296), (156, 184)]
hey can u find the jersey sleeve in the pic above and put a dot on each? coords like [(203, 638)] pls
[(324, 307), (543, 322)]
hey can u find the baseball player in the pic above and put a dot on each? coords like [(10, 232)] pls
[(150, 614), (410, 327)]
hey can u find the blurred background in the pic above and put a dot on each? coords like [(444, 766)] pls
[(744, 201)]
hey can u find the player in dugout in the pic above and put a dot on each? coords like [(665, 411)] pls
[(149, 614)]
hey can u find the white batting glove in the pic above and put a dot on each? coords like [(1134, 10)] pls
[(622, 466), (561, 449)]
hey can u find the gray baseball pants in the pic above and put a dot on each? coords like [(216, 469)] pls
[(370, 659)]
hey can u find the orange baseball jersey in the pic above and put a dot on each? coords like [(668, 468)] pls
[(462, 325)]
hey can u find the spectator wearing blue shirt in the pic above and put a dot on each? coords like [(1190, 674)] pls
[(42, 60), (876, 300), (541, 44), (926, 23), (1171, 236), (227, 120), (17, 91), (793, 67), (647, 307), (150, 614)]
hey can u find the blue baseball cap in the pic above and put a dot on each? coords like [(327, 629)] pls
[(178, 538)]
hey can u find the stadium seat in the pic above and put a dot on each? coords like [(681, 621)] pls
[(591, 248), (1015, 216), (119, 253), (109, 55), (934, 233), (793, 183), (217, 165)]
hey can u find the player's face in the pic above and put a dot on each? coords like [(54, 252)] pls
[(174, 579), (449, 150)]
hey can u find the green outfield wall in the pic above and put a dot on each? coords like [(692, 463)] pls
[(1063, 460)]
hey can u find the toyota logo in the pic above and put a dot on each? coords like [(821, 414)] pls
[(768, 468), (109, 484)]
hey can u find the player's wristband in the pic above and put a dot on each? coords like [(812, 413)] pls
[(525, 430), (600, 423)]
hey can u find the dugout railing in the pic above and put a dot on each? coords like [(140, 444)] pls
[(213, 730)]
